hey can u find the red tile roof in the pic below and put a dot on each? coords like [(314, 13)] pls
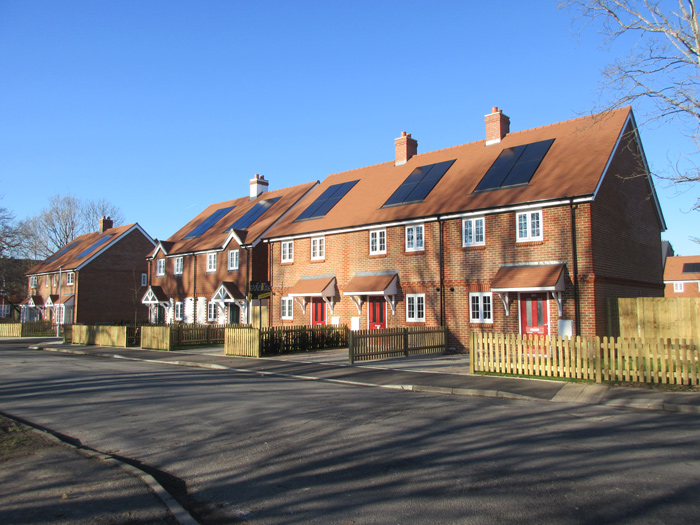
[(674, 268), (573, 167), (216, 236), (534, 278), (82, 249)]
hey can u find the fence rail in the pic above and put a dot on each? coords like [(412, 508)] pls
[(367, 345), (663, 361)]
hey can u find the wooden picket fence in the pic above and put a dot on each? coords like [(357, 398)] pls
[(33, 329), (664, 361), (170, 337), (367, 345), (279, 340)]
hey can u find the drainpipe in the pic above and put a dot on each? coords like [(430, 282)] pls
[(59, 301), (194, 288), (442, 274), (248, 276), (577, 305)]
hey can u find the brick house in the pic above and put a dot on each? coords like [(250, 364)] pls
[(682, 276), (96, 278), (524, 232), (202, 273)]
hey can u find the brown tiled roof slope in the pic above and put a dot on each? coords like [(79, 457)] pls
[(215, 236), (573, 167), (674, 268), (68, 259)]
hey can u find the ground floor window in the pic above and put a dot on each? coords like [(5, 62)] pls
[(179, 311), (212, 311), (287, 308), (480, 310), (415, 308)]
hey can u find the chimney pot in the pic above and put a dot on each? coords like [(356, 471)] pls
[(106, 223), (497, 126), (258, 186), (406, 147)]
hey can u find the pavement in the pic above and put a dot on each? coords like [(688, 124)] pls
[(437, 374)]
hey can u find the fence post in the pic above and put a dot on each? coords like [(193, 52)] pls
[(351, 348), (405, 342), (471, 351)]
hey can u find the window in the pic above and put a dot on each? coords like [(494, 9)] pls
[(473, 233), (678, 287), (160, 267), (178, 265), (211, 262), (69, 279), (55, 280), (287, 306), (480, 307), (211, 311), (377, 242), (61, 314), (288, 251), (414, 238), (32, 281), (529, 226), (415, 308), (232, 260), (144, 279), (179, 310), (318, 248)]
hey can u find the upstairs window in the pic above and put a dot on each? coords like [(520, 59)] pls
[(377, 242), (211, 262), (287, 248), (160, 267), (32, 281), (414, 238), (69, 279), (178, 265), (144, 279), (678, 287), (318, 248), (473, 233), (232, 260), (529, 226)]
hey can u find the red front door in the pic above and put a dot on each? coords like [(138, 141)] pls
[(534, 314), (318, 311), (376, 313)]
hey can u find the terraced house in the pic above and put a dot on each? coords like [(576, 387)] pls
[(203, 272), (521, 232), (96, 278)]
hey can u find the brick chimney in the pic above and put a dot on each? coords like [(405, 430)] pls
[(106, 223), (406, 147), (497, 126), (258, 186)]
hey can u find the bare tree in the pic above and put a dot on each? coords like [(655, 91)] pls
[(11, 237), (94, 210), (662, 66)]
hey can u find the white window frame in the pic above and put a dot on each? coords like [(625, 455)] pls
[(377, 242), (287, 251), (526, 229), (179, 311), (144, 279), (211, 262), (212, 311), (287, 308), (233, 259), (415, 241), (69, 278), (160, 267), (32, 281), (179, 265), (476, 225), (318, 248), (481, 307), (414, 303), (678, 287)]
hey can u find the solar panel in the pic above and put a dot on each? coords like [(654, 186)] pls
[(418, 184), (99, 242), (208, 222), (61, 251), (253, 214), (514, 166), (325, 202), (691, 267)]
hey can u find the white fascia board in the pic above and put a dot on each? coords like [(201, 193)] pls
[(232, 236), (517, 207)]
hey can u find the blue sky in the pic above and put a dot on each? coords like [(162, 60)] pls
[(164, 107)]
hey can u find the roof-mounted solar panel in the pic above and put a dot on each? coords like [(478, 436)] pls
[(418, 184), (61, 251), (253, 214), (325, 202), (514, 166), (208, 222), (99, 242), (691, 267)]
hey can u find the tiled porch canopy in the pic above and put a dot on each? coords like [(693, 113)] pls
[(373, 283), (547, 278), (323, 286)]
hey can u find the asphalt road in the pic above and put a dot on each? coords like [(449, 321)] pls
[(262, 449)]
